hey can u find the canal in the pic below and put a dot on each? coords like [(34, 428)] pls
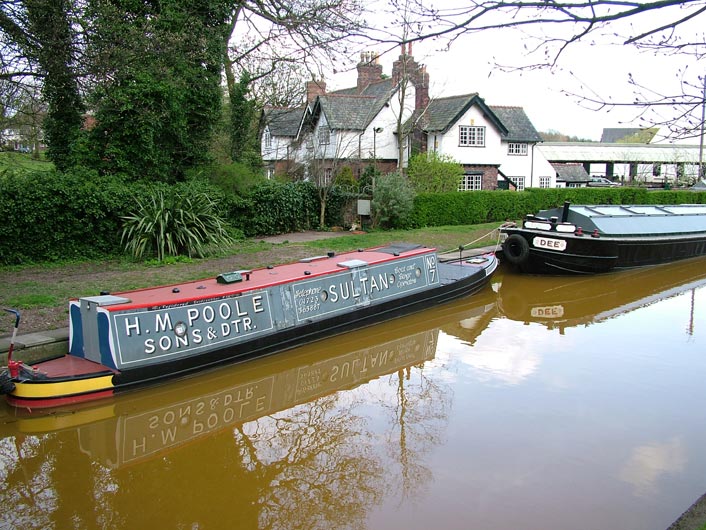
[(540, 403)]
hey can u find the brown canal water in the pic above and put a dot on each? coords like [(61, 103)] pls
[(541, 403)]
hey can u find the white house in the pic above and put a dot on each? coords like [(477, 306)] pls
[(493, 144), (366, 124)]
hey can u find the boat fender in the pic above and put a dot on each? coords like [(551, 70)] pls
[(7, 386), (516, 249)]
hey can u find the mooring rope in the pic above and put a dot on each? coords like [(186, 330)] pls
[(496, 230)]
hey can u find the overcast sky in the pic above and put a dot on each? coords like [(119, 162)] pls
[(600, 69)]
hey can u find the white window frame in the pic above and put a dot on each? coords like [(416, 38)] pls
[(267, 138), (545, 182), (517, 149), (324, 136), (471, 182), (471, 136), (519, 183)]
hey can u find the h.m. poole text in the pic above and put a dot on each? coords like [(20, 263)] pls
[(146, 334)]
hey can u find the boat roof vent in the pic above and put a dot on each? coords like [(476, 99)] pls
[(233, 277), (353, 264), (105, 300)]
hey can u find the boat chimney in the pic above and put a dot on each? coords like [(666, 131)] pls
[(565, 212)]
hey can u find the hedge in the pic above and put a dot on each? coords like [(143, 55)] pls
[(53, 216), (475, 207)]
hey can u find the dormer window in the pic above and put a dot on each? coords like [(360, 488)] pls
[(471, 136), (324, 136)]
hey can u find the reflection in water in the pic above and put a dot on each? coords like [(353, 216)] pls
[(648, 463), (274, 443), (562, 302)]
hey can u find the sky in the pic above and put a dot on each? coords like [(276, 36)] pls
[(585, 69)]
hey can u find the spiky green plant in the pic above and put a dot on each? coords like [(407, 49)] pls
[(182, 223)]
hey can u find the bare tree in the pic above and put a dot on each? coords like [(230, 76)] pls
[(289, 41), (549, 29)]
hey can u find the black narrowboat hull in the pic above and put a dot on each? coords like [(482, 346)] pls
[(535, 252), (594, 239)]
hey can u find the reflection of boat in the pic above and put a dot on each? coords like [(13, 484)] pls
[(121, 340), (139, 425), (593, 239), (566, 302)]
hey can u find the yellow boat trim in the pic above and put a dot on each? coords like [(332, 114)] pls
[(48, 390)]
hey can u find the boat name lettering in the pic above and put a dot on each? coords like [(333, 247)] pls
[(310, 299), (549, 243), (358, 367), (552, 311), (177, 424), (181, 328)]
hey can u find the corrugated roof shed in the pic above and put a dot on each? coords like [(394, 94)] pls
[(600, 152)]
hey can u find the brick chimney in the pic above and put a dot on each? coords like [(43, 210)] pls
[(369, 69), (406, 66), (315, 89)]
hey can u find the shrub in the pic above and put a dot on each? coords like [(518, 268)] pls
[(185, 221), (273, 207), (434, 173), (52, 216), (393, 201)]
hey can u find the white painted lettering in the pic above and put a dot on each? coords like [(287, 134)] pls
[(224, 311), (239, 311), (192, 315), (209, 315), (134, 326), (257, 304), (165, 343), (169, 435), (162, 322)]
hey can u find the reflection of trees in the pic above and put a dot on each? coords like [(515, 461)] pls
[(25, 493), (312, 466), (316, 466), (418, 420)]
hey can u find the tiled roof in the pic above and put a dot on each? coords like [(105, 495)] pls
[(519, 127), (284, 121), (376, 89), (571, 173), (442, 113), (348, 112)]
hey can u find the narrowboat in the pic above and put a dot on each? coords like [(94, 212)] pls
[(119, 341), (581, 239)]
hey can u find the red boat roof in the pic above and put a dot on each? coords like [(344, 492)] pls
[(249, 280)]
